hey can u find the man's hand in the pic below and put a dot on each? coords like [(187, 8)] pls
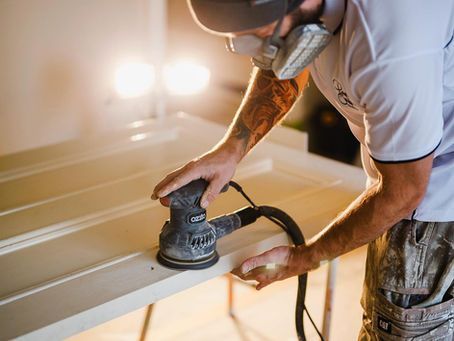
[(267, 101), (217, 167), (276, 264)]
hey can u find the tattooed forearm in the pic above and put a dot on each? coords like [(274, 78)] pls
[(265, 104)]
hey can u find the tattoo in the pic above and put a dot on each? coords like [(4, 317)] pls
[(267, 101)]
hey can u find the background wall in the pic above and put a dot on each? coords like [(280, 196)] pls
[(58, 58), (57, 65)]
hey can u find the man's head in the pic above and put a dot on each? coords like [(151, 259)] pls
[(236, 17), (273, 32)]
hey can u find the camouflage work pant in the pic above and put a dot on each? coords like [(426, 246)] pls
[(408, 289)]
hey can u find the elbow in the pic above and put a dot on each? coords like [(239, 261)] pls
[(414, 199), (414, 192), (405, 198), (404, 185)]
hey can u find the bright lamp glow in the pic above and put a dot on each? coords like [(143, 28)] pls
[(134, 79), (138, 137), (186, 78)]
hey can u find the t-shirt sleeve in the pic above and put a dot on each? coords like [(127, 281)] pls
[(403, 107)]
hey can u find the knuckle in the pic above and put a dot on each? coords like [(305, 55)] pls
[(211, 196), (245, 267), (254, 263)]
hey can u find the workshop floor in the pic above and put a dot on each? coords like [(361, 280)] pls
[(200, 313)]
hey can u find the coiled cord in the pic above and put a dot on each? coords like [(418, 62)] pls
[(284, 221)]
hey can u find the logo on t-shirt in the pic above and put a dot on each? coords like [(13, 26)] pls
[(342, 96)]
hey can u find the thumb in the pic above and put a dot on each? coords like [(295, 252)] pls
[(212, 191), (254, 262)]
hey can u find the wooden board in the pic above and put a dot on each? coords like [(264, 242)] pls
[(29, 161), (79, 240)]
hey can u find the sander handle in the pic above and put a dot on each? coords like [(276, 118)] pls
[(188, 196)]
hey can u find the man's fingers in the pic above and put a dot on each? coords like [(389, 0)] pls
[(262, 268), (251, 275), (176, 180), (165, 201), (263, 279), (255, 262), (212, 191), (165, 182), (237, 272), (261, 285), (277, 255), (176, 183)]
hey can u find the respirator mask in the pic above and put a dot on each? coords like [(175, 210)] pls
[(286, 57)]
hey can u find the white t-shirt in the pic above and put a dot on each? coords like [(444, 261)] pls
[(389, 70)]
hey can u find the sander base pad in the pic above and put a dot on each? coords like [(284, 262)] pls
[(187, 265)]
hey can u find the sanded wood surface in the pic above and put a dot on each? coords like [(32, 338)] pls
[(78, 232)]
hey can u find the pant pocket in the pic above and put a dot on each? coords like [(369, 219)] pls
[(421, 232), (391, 322)]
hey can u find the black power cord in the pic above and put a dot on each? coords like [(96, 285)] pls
[(284, 221)]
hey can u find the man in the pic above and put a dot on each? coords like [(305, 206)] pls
[(389, 69)]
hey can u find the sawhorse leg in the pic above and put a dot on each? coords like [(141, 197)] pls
[(230, 280), (146, 323), (329, 296)]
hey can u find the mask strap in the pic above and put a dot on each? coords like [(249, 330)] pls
[(274, 42)]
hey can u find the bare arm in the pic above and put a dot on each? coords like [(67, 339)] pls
[(400, 189), (265, 104), (397, 193)]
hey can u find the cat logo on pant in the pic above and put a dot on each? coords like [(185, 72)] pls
[(384, 325)]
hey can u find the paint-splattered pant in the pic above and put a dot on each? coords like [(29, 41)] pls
[(408, 289)]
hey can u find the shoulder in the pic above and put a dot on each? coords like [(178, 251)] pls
[(400, 28)]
